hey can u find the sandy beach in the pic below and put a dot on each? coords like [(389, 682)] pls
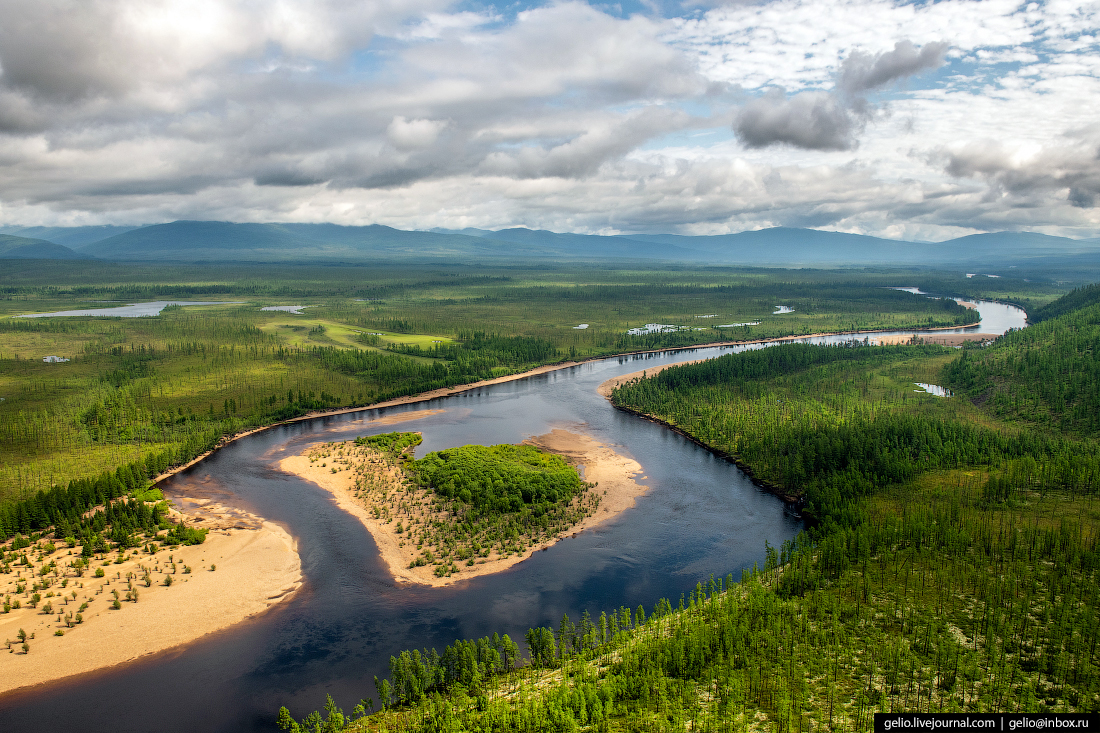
[(606, 388), (244, 567), (614, 474)]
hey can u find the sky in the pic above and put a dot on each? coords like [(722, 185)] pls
[(919, 121)]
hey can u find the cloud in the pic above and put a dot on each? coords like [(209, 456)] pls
[(566, 115), (408, 134), (809, 120), (75, 49), (604, 140), (861, 72), (818, 120)]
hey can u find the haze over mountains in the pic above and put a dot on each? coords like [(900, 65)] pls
[(211, 241)]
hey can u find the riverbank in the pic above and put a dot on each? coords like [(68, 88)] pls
[(329, 465), (244, 567)]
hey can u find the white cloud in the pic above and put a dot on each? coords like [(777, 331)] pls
[(412, 134)]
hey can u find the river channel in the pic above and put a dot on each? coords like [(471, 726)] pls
[(700, 516)]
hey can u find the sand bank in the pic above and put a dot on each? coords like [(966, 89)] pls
[(257, 565), (443, 392), (614, 473), (606, 388)]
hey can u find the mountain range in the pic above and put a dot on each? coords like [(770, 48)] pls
[(212, 241)]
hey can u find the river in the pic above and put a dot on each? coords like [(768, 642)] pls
[(700, 516)]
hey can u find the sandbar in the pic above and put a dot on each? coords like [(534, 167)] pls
[(614, 474), (245, 566), (606, 388)]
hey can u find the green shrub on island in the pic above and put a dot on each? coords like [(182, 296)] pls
[(499, 478), (393, 443), (181, 534)]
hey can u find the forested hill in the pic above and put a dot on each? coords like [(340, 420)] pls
[(1047, 374), (1074, 300)]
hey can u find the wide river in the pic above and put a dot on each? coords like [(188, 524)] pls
[(700, 516)]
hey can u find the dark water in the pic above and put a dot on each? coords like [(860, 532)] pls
[(701, 516)]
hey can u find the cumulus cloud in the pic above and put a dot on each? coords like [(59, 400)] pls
[(604, 140), (408, 134), (861, 72), (810, 120), (818, 120)]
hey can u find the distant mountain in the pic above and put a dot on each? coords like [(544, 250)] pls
[(212, 241), (215, 241), (26, 248), (71, 237), (1021, 246)]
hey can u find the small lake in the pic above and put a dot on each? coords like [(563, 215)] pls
[(295, 309), (700, 516), (133, 310), (933, 389)]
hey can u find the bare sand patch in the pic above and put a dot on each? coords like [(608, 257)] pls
[(403, 417), (606, 388), (437, 393), (385, 508), (235, 574)]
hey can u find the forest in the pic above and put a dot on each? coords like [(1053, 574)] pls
[(951, 563)]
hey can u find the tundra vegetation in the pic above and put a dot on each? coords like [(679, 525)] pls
[(951, 561)]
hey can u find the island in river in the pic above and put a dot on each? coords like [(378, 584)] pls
[(416, 530)]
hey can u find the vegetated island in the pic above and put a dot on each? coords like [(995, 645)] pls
[(118, 586), (473, 510)]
